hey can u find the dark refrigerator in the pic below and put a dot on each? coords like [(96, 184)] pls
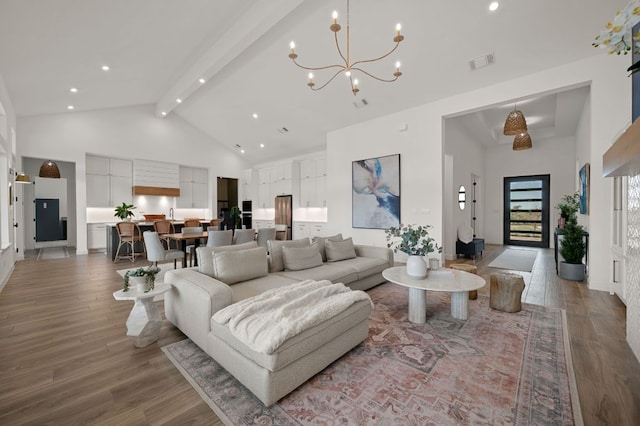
[(48, 224), (284, 217)]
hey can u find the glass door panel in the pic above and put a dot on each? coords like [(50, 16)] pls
[(526, 216)]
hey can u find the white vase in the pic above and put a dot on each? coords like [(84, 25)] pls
[(138, 283), (416, 267)]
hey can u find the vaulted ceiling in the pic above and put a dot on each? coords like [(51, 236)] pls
[(157, 50)]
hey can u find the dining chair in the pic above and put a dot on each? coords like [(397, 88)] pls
[(264, 235), (156, 251), (243, 236), (191, 244), (129, 236), (219, 238), (163, 227), (191, 222)]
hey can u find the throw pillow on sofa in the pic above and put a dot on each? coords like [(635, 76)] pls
[(205, 255), (276, 262), (321, 245), (340, 250), (298, 258), (235, 266)]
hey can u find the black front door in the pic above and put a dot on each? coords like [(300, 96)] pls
[(526, 211)]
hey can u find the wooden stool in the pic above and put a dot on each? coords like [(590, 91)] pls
[(506, 292), (473, 294)]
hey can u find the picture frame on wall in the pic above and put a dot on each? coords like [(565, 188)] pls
[(375, 194), (584, 188)]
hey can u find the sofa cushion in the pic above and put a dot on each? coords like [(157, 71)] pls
[(340, 250), (297, 258), (205, 255), (364, 266), (231, 267), (334, 272), (276, 261), (321, 244)]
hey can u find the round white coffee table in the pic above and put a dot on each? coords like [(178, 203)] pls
[(458, 283), (144, 322)]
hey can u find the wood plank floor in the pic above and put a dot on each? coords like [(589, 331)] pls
[(65, 359)]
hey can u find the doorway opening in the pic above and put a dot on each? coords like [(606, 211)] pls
[(227, 194), (526, 211)]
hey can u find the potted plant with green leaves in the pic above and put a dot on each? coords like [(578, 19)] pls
[(144, 279), (236, 217), (124, 211), (572, 250), (415, 241), (568, 206)]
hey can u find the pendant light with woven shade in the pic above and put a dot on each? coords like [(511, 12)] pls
[(49, 169), (515, 123), (522, 142)]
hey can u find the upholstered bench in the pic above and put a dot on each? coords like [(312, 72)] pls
[(272, 376)]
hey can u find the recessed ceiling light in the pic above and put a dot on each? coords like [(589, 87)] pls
[(494, 5), (255, 115), (261, 145), (242, 151), (179, 100), (202, 81), (70, 107), (73, 90), (164, 113), (105, 68)]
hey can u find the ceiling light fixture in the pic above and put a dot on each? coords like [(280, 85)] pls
[(70, 107), (73, 90), (494, 6), (261, 145), (515, 123), (105, 68), (255, 115), (348, 66), (522, 142), (178, 100), (164, 113), (22, 177), (49, 169), (202, 81)]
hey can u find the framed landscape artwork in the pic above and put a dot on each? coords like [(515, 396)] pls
[(375, 184), (584, 189)]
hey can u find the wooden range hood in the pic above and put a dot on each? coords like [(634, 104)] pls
[(156, 191), (623, 158)]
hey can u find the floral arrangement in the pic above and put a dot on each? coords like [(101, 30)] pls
[(617, 35), (149, 275), (413, 240)]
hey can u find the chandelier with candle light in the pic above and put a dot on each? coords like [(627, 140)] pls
[(348, 67)]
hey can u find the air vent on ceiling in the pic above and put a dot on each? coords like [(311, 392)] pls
[(482, 61), (238, 146), (360, 103), (283, 130)]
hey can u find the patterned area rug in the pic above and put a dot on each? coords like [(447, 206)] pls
[(495, 368)]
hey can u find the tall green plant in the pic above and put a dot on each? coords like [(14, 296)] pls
[(235, 215), (573, 245)]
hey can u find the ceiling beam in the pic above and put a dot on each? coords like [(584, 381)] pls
[(245, 31)]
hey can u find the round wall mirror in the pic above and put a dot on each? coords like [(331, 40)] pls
[(462, 197)]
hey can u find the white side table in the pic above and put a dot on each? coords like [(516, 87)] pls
[(144, 322)]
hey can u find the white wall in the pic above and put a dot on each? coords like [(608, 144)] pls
[(132, 132), (422, 153), (555, 157), (468, 158), (7, 254)]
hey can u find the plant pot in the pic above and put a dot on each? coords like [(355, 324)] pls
[(561, 222), (416, 267), (138, 283), (571, 271)]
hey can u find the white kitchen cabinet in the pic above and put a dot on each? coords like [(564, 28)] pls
[(109, 181), (313, 186), (96, 236), (265, 199), (261, 223), (246, 179), (309, 229), (194, 188), (264, 176)]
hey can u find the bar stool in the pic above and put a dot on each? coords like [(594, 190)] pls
[(164, 227), (473, 294), (128, 236)]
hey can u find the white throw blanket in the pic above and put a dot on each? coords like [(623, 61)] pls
[(265, 321)]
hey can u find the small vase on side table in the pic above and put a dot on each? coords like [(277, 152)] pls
[(416, 267)]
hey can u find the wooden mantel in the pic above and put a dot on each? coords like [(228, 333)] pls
[(623, 158)]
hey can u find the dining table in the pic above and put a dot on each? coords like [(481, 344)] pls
[(182, 239)]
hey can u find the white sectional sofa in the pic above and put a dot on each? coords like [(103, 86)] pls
[(226, 275)]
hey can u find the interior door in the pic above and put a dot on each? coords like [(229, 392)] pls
[(526, 211), (48, 225)]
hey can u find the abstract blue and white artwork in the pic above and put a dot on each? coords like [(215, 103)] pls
[(584, 188), (376, 192)]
